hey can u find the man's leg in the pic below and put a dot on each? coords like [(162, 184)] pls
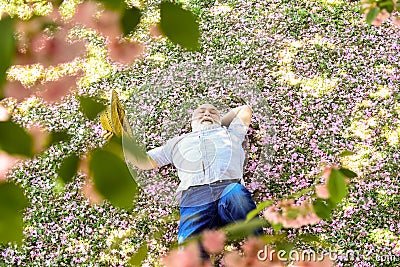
[(235, 203), (196, 219), (197, 213)]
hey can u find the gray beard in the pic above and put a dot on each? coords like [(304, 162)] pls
[(201, 127)]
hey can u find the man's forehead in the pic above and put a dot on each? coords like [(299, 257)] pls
[(206, 106)]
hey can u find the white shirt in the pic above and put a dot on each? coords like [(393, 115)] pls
[(205, 156)]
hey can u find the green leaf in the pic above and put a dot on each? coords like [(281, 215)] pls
[(372, 14), (179, 25), (386, 4), (308, 238), (292, 213), (346, 153), (7, 49), (59, 136), (112, 178), (68, 168), (337, 186), (14, 139), (113, 4), (130, 20), (277, 227), (114, 146), (300, 193), (243, 229), (348, 173), (322, 209), (90, 107), (136, 260), (59, 186), (132, 149), (284, 246), (270, 239), (259, 208), (12, 203)]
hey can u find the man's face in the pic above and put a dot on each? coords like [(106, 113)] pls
[(206, 114)]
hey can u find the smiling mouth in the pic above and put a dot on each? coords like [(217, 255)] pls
[(207, 120)]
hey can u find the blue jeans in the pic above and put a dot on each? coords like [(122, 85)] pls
[(212, 206)]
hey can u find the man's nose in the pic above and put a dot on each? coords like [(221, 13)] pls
[(207, 113)]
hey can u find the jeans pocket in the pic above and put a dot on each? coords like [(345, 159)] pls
[(185, 193)]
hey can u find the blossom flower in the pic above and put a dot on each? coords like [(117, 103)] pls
[(322, 191), (382, 17), (6, 162), (213, 241), (291, 215), (4, 115), (330, 77), (186, 257)]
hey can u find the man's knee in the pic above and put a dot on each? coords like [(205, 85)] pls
[(195, 219), (235, 203), (238, 196)]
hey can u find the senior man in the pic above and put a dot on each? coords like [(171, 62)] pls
[(210, 162)]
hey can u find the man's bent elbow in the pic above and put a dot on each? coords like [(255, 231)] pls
[(245, 114), (248, 109)]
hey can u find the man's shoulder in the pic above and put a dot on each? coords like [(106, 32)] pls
[(177, 139)]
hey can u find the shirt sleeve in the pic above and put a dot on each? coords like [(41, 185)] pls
[(160, 155), (238, 128)]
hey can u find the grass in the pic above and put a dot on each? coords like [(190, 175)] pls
[(321, 78)]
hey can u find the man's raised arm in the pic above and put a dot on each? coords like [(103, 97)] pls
[(243, 113), (142, 162)]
